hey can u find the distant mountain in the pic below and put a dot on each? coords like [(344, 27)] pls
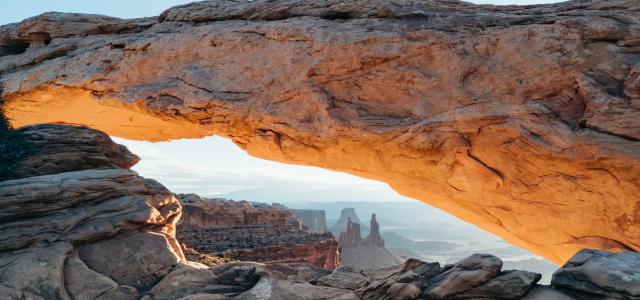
[(412, 219), (341, 225), (409, 213), (395, 240)]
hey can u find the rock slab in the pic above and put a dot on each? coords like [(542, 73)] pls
[(522, 120)]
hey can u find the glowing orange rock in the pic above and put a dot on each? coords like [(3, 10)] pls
[(521, 120)]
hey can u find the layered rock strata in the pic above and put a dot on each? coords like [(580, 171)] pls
[(520, 119), (313, 220), (249, 231), (90, 228), (100, 232)]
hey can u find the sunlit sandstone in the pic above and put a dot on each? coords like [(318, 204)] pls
[(523, 121)]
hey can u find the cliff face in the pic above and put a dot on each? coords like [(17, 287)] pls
[(92, 229), (313, 220), (521, 120), (89, 228), (253, 232), (101, 232), (223, 213)]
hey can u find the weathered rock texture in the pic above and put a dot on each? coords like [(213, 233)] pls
[(521, 120), (367, 253), (96, 232), (610, 276), (107, 233), (251, 231), (59, 149)]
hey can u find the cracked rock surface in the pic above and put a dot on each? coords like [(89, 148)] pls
[(522, 120), (107, 233)]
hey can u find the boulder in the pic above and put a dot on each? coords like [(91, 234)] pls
[(187, 279), (344, 278), (83, 206), (522, 120), (84, 283), (464, 275), (36, 273), (302, 271), (601, 274), (139, 259), (272, 289), (507, 285), (63, 148), (399, 282)]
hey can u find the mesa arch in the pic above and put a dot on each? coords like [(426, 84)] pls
[(521, 120)]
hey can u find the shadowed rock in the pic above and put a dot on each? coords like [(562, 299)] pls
[(64, 148), (110, 234), (522, 120), (607, 275), (344, 278)]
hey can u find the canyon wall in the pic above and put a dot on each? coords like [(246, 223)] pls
[(76, 223), (314, 220), (87, 227), (251, 231), (521, 120)]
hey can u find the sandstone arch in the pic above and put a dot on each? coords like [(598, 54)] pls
[(521, 120)]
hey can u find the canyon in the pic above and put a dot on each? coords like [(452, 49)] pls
[(97, 230), (247, 231), (522, 120)]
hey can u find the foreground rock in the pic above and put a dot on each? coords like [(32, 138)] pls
[(608, 275), (98, 232), (108, 233), (62, 148), (253, 231), (476, 277), (521, 120)]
